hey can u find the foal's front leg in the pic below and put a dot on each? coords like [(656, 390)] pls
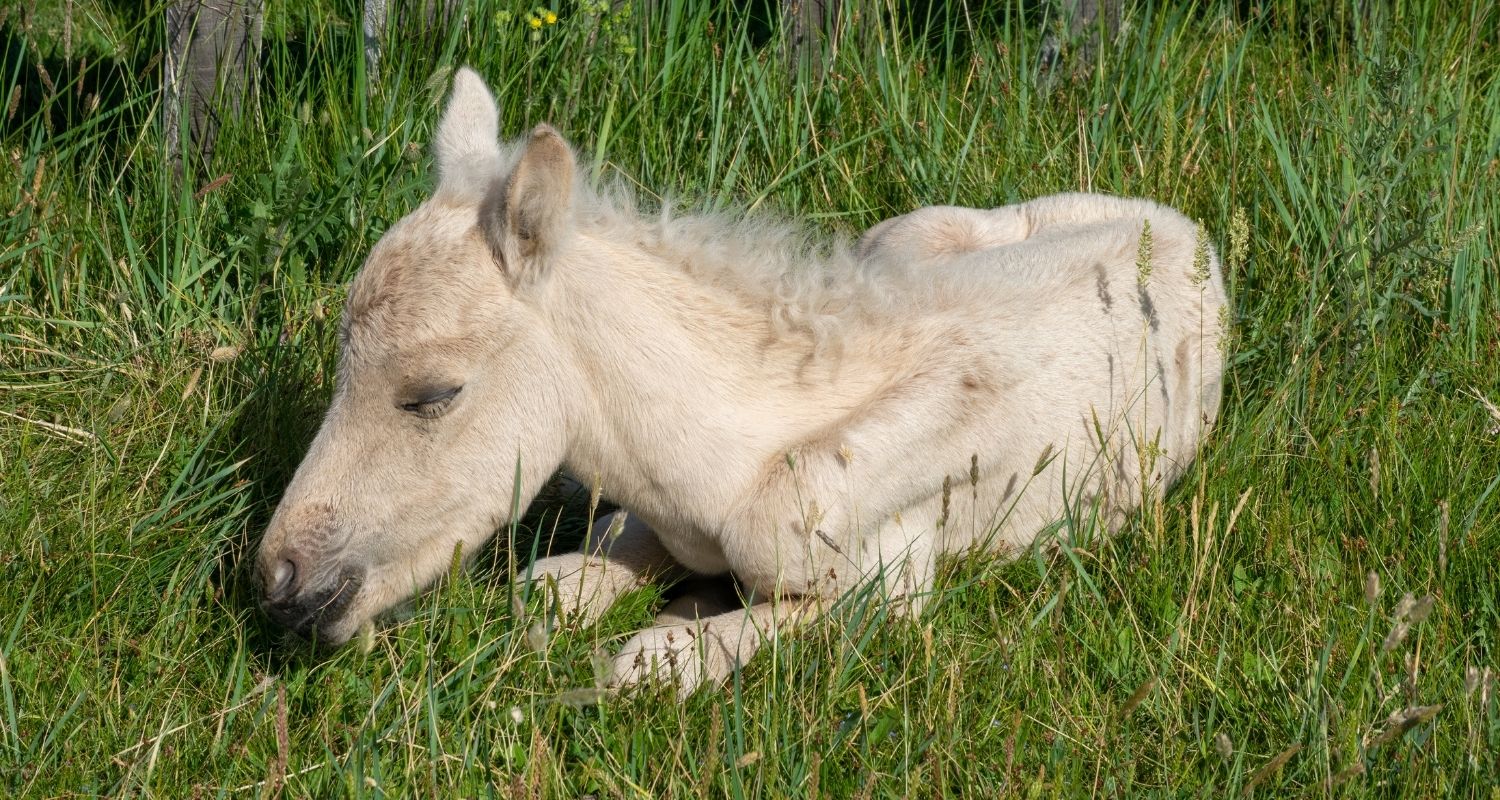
[(621, 553), (702, 637)]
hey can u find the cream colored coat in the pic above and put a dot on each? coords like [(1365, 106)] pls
[(805, 417)]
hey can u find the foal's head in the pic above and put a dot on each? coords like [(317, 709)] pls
[(450, 387)]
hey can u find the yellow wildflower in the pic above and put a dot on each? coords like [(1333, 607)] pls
[(534, 22), (551, 17)]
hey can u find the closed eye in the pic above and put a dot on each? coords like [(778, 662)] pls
[(432, 404)]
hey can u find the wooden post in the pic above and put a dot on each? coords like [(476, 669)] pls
[(1087, 25), (809, 24), (375, 17), (212, 48)]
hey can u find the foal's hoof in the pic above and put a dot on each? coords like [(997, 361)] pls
[(683, 657), (570, 584)]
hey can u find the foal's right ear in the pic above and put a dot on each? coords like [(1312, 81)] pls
[(527, 216), (467, 146)]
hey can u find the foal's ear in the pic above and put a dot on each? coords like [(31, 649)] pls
[(527, 216), (467, 145)]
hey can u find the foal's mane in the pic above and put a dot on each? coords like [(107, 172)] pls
[(807, 281)]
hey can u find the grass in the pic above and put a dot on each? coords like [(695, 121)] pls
[(166, 345)]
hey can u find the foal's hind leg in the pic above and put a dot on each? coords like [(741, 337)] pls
[(931, 236), (702, 638), (621, 553)]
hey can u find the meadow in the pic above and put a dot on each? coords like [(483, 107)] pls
[(1313, 611)]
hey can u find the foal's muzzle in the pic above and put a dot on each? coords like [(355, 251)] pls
[(299, 600)]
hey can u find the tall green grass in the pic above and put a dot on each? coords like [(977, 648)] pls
[(166, 345)]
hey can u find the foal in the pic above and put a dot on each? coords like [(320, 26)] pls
[(805, 418)]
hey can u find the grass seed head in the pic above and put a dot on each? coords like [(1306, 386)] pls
[(1421, 609), (1143, 255), (1372, 587), (1226, 329), (1271, 768), (1042, 461), (947, 499), (1239, 239), (1136, 698), (1396, 636), (581, 698), (1490, 408), (536, 637), (1224, 746), (1404, 607), (603, 667), (596, 491), (1354, 771), (1399, 722), (1471, 679), (1200, 257), (1442, 537), (616, 526)]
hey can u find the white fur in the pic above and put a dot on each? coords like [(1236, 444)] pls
[(468, 139), (807, 416)]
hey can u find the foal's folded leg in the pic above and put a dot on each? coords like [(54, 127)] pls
[(701, 639), (612, 562)]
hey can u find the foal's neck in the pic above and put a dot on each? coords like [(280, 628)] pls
[(689, 390)]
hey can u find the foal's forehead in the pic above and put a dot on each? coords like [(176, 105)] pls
[(426, 277)]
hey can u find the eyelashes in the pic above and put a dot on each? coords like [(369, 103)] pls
[(432, 404)]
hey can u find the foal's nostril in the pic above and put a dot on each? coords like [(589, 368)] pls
[(283, 580)]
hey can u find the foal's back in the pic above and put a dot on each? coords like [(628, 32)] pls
[(1102, 316)]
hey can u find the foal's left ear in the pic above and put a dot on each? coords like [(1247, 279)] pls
[(527, 216)]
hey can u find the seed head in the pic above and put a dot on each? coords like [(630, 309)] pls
[(1422, 608), (1239, 239), (1402, 721), (596, 491), (1200, 257), (1403, 608), (947, 499), (1372, 587), (536, 637), (616, 526), (1143, 255), (1224, 746), (1396, 636), (603, 667), (1443, 537)]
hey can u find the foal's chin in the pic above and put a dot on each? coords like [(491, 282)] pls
[(379, 600)]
